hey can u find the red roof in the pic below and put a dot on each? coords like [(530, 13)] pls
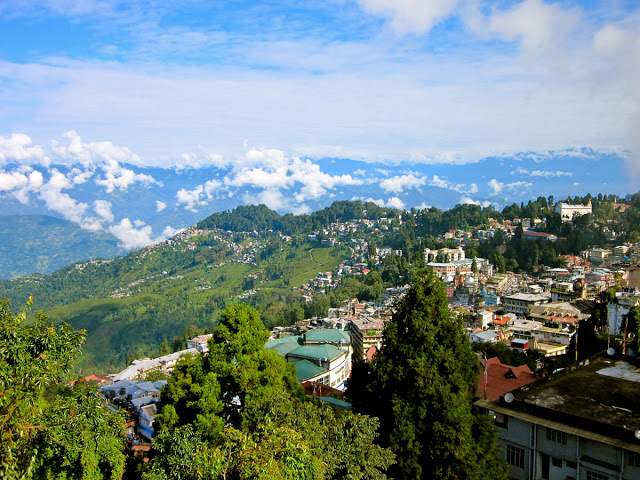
[(502, 379)]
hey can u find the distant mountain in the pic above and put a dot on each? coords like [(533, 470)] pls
[(42, 244), (143, 205)]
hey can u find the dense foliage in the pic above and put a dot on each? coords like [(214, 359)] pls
[(60, 437), (240, 413), (421, 388)]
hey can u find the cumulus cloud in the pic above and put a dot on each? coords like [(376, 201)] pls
[(130, 236), (410, 16), (393, 202), (469, 201), (12, 180), (496, 186), (400, 183), (197, 197), (439, 182), (160, 206), (18, 148), (103, 209), (89, 154), (62, 203), (271, 198)]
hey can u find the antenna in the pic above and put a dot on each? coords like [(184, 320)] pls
[(508, 397)]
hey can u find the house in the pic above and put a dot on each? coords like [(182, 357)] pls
[(199, 343), (497, 379), (617, 309), (487, 336), (582, 425)]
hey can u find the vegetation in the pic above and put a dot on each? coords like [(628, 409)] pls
[(47, 244), (71, 436), (421, 388), (240, 413)]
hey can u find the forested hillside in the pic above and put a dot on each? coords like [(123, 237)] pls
[(46, 244), (149, 301)]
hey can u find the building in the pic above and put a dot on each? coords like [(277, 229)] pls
[(496, 379), (567, 212), (617, 309), (365, 333), (521, 303), (581, 425), (447, 255), (319, 360)]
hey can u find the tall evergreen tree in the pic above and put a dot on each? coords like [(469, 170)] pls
[(422, 385)]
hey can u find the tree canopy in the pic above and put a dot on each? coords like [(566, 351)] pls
[(240, 413), (421, 386)]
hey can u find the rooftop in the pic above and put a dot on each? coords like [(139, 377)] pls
[(600, 397)]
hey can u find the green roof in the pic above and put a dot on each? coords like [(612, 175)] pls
[(327, 335), (284, 345), (336, 403), (317, 352), (306, 370)]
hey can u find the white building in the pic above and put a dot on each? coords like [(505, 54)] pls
[(567, 212)]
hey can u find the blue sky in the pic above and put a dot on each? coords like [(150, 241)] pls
[(384, 80), (265, 90)]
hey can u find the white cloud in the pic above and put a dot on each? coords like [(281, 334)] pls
[(169, 231), (496, 186), (533, 22), (160, 206), (197, 197), (271, 198), (12, 180), (62, 203), (393, 202), (469, 201), (439, 182), (519, 185), (131, 237), (400, 183), (423, 206), (547, 173), (103, 209), (18, 148), (410, 16), (119, 177)]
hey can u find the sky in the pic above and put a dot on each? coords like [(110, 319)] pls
[(267, 90), (195, 82)]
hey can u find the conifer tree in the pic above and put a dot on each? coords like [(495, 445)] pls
[(422, 385)]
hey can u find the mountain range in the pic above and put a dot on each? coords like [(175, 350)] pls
[(121, 206)]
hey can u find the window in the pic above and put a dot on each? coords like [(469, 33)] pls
[(556, 462), (501, 420), (633, 459), (596, 476), (556, 436), (573, 465), (515, 456)]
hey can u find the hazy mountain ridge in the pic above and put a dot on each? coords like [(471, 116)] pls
[(42, 244)]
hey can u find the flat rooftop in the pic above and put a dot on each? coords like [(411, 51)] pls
[(602, 397)]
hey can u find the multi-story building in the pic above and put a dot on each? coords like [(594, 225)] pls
[(567, 212), (520, 303), (366, 332), (581, 425)]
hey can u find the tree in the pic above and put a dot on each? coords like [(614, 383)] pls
[(422, 385), (59, 437), (239, 413), (31, 357)]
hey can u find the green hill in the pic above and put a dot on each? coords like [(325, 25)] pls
[(45, 244), (129, 305)]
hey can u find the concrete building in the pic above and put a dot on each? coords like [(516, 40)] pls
[(567, 212), (365, 333), (520, 303), (581, 425)]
